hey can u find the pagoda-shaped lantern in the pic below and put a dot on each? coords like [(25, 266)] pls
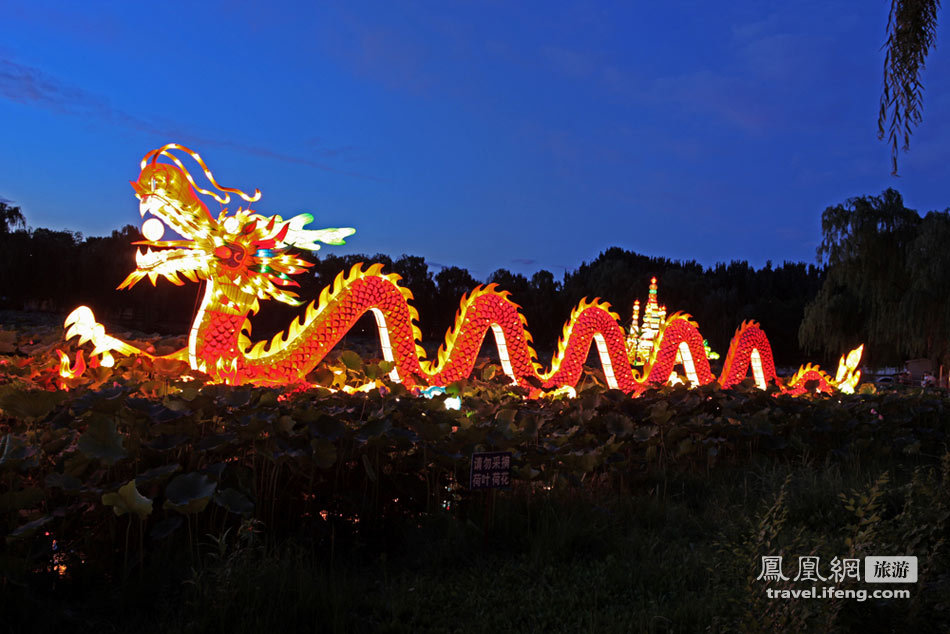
[(640, 338), (633, 335)]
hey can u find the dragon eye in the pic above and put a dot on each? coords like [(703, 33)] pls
[(231, 255)]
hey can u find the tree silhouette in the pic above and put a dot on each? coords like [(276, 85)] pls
[(10, 218), (417, 277), (453, 282), (58, 270), (885, 281)]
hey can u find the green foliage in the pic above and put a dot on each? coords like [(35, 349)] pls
[(611, 519), (582, 559), (30, 406), (884, 284), (101, 439)]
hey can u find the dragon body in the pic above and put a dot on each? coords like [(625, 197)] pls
[(243, 258)]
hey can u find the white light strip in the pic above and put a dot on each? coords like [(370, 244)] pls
[(605, 361), (385, 343), (193, 335), (756, 362), (686, 357), (503, 351)]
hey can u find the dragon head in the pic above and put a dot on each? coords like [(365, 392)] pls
[(244, 249)]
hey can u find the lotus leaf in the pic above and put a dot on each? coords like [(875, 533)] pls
[(128, 500), (234, 501), (30, 527), (101, 440), (189, 493), (157, 474), (324, 453)]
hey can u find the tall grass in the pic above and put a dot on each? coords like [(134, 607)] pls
[(677, 552)]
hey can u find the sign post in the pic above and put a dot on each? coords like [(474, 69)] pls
[(491, 470)]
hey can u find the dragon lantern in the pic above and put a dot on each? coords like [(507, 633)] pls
[(242, 258)]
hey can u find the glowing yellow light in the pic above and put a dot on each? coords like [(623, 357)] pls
[(82, 323), (385, 343), (684, 356), (848, 375), (232, 224), (153, 229), (641, 339), (66, 370), (605, 362), (503, 352), (366, 387), (564, 391)]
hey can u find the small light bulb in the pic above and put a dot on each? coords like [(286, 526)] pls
[(153, 229)]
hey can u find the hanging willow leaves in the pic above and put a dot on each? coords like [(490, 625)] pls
[(911, 32)]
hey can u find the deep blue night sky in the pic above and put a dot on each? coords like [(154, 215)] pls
[(480, 134)]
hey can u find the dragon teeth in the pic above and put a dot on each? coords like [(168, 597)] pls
[(148, 257)]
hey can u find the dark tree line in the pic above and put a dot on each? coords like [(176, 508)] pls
[(719, 297), (58, 270), (880, 281)]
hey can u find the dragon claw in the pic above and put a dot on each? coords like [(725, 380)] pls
[(82, 323)]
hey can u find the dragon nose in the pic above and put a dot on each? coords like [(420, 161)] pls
[(149, 203)]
